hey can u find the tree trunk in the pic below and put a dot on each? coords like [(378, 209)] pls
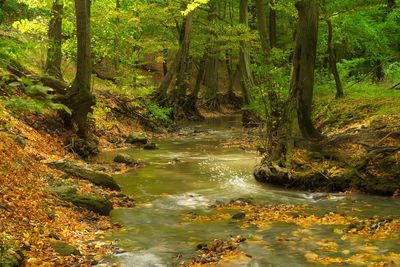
[(165, 65), (246, 76), (54, 53), (231, 76), (262, 27), (272, 27), (199, 80), (296, 121), (81, 99), (116, 36), (191, 102), (178, 65), (332, 61), (182, 80), (391, 4)]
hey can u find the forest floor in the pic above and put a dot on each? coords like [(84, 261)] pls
[(44, 212), (360, 151)]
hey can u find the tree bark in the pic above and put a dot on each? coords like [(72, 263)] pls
[(296, 121), (231, 75), (272, 27), (246, 75), (116, 36), (165, 65), (262, 27), (178, 64), (182, 81), (332, 61), (391, 4), (80, 97), (54, 53)]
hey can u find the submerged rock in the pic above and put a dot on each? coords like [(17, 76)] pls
[(136, 139), (97, 178), (124, 158), (239, 216), (64, 249), (151, 146)]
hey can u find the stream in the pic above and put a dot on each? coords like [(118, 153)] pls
[(191, 172)]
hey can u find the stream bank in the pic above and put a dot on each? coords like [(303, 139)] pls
[(195, 190), (360, 151)]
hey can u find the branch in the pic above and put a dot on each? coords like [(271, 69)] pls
[(394, 86)]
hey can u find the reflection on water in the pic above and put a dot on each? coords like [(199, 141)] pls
[(189, 173)]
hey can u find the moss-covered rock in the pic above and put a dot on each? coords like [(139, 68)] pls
[(151, 146), (137, 139), (97, 178), (124, 158), (63, 190), (64, 249), (10, 256), (98, 205)]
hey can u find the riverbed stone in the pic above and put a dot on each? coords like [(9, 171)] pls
[(98, 205), (150, 146), (97, 178), (137, 139), (124, 158), (64, 249), (239, 216)]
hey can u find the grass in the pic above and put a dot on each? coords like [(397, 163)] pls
[(364, 103)]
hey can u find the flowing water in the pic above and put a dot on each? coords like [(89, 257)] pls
[(189, 173)]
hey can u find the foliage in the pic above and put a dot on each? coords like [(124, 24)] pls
[(158, 113), (103, 118), (37, 98)]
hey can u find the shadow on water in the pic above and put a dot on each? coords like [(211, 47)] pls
[(191, 172)]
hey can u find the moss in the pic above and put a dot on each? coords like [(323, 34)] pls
[(10, 256), (96, 204), (64, 249), (100, 179)]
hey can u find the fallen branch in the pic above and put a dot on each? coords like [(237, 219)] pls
[(394, 86), (375, 151)]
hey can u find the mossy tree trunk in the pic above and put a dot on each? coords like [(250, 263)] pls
[(272, 27), (262, 27), (332, 61), (116, 36), (182, 75), (179, 65), (54, 52), (296, 122), (80, 97), (246, 76), (391, 4), (211, 77)]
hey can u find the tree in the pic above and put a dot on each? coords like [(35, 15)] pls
[(391, 4), (179, 65), (80, 98), (332, 60), (262, 26), (54, 53), (272, 27), (246, 76), (296, 121)]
